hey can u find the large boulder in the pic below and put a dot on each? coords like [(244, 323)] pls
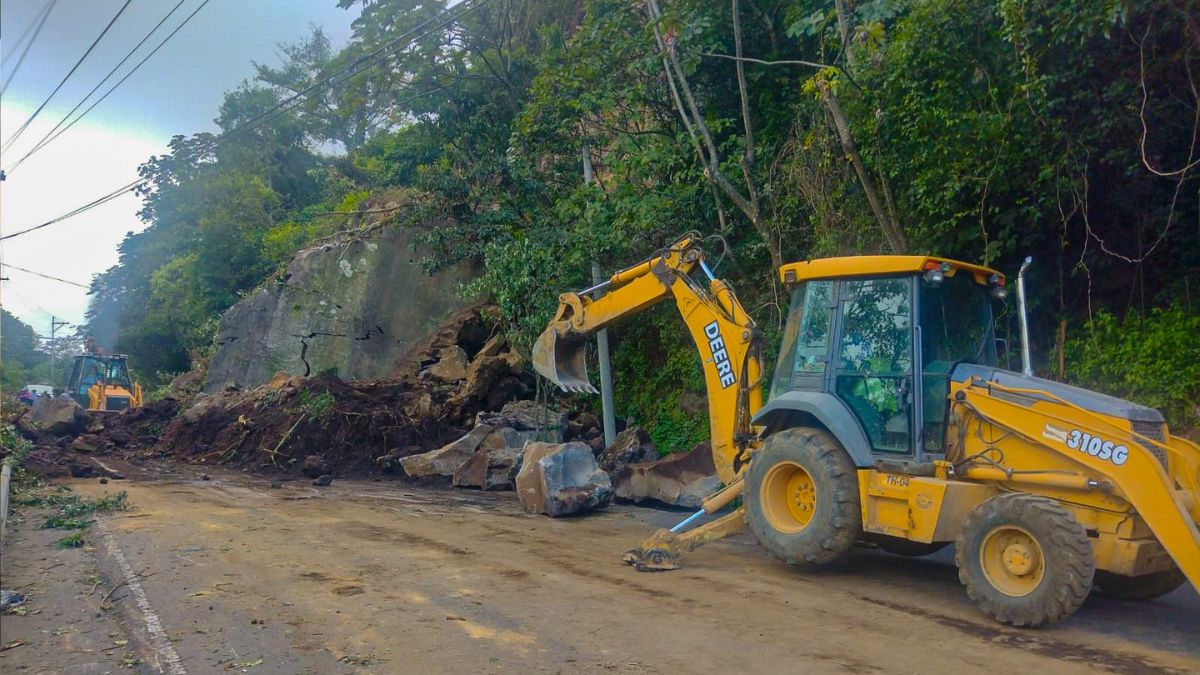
[(58, 415), (490, 468), (560, 479), (631, 446), (444, 460), (356, 307), (683, 479)]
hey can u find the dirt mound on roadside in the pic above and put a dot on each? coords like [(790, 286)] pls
[(279, 424)]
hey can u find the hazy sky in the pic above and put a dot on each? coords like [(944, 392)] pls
[(175, 92)]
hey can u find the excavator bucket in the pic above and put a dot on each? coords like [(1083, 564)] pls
[(559, 355)]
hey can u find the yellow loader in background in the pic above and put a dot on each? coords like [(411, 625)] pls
[(890, 421), (101, 383)]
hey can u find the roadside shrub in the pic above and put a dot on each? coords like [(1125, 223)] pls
[(1152, 359)]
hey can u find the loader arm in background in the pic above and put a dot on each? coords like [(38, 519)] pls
[(1140, 480), (727, 339)]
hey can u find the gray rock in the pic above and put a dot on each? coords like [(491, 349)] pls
[(322, 481), (336, 308), (682, 479), (444, 460), (560, 479), (58, 415)]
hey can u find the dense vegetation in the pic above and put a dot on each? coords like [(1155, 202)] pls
[(984, 130), (26, 355)]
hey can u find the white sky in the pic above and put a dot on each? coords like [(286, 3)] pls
[(176, 92)]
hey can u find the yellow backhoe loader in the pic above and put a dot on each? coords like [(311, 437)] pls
[(890, 422)]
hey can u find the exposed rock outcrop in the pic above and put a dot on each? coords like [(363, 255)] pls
[(560, 479), (683, 479), (354, 308)]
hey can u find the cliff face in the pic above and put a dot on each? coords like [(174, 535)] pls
[(351, 308)]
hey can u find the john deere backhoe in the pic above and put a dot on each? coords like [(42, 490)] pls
[(890, 422)]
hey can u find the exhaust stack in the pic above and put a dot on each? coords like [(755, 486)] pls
[(1022, 316)]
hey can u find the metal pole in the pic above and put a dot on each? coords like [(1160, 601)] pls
[(1026, 358), (606, 396)]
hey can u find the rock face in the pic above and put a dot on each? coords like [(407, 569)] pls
[(683, 479), (452, 366), (631, 446), (59, 415), (444, 460), (560, 479), (355, 308)]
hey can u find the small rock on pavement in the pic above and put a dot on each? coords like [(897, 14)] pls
[(205, 476), (323, 480), (276, 484), (104, 481), (629, 447), (560, 479), (683, 479)]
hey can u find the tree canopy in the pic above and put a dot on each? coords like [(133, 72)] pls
[(982, 130)]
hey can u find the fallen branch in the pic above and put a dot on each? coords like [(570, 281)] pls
[(112, 590)]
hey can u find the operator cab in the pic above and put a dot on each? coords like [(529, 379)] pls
[(90, 369), (882, 336)]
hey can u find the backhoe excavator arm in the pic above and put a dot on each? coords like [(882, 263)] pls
[(728, 342)]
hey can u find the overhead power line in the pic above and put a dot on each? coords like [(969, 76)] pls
[(75, 67), (43, 141), (44, 276), (278, 109), (38, 21)]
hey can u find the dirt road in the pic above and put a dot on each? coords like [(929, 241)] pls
[(386, 577)]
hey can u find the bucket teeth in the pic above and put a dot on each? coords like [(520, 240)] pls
[(559, 355)]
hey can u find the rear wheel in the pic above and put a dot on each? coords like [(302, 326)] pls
[(801, 497), (1144, 587), (1025, 560)]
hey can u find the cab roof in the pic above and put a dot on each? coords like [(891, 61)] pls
[(877, 265)]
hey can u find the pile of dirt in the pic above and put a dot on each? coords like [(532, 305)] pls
[(60, 451), (461, 370)]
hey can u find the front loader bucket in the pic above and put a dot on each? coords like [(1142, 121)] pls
[(559, 355)]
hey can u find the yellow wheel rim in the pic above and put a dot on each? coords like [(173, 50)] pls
[(788, 497), (1012, 560)]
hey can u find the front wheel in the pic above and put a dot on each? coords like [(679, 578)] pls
[(801, 498), (1025, 560)]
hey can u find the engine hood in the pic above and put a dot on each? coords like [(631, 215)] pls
[(1084, 398)]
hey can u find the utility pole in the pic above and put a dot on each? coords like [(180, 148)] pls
[(55, 324), (606, 395)]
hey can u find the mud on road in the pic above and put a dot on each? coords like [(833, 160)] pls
[(368, 576)]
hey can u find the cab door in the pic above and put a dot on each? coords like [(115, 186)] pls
[(873, 359)]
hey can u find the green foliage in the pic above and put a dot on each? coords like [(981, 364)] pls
[(660, 385), (993, 129), (71, 541), (316, 406), (1153, 359)]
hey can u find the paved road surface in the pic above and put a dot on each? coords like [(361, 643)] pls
[(386, 577)]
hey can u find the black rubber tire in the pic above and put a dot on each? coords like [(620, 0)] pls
[(837, 517), (1069, 565), (906, 548), (1144, 587)]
